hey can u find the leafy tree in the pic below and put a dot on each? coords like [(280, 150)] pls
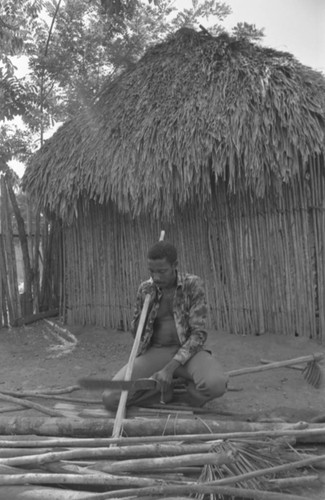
[(248, 32), (73, 47), (17, 20)]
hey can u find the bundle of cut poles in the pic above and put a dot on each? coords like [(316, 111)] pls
[(167, 456)]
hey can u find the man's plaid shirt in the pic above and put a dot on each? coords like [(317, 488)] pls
[(190, 311)]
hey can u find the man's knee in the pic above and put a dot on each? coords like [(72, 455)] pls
[(111, 399), (216, 385)]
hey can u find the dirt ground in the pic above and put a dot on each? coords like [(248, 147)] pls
[(48, 354)]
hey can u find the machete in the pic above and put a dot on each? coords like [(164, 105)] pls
[(139, 384)]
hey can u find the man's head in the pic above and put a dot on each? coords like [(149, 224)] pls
[(162, 264)]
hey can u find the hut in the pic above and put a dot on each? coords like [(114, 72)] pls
[(218, 141)]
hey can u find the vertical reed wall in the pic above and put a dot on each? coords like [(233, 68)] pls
[(263, 261)]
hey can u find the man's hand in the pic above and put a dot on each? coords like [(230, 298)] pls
[(165, 376)]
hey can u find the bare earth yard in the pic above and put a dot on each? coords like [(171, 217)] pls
[(47, 354)]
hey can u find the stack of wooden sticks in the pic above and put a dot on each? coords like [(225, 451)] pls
[(161, 454)]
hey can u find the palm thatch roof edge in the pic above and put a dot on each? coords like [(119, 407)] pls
[(194, 110)]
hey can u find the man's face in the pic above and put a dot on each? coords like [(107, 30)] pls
[(162, 272)]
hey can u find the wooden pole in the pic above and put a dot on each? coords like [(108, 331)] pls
[(81, 479), (30, 404), (160, 463), (34, 457), (101, 427), (11, 427), (120, 414), (160, 491), (277, 364), (26, 492)]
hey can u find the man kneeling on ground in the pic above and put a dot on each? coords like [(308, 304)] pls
[(173, 339)]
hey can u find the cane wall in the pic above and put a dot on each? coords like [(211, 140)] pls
[(263, 261)]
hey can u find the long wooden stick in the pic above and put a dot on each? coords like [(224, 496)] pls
[(156, 463), (120, 414), (291, 482), (192, 488), (294, 367), (41, 392), (270, 470), (46, 455), (89, 479), (100, 427), (5, 409), (41, 426), (26, 492), (277, 364), (29, 404)]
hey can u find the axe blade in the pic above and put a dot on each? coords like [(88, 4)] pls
[(119, 385)]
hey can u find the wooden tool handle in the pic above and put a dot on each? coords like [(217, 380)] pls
[(122, 403), (277, 364), (120, 414), (294, 367)]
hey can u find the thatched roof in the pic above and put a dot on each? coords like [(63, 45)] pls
[(194, 109)]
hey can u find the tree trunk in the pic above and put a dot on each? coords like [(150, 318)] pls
[(36, 275), (28, 273), (9, 257), (3, 284), (45, 291), (51, 245)]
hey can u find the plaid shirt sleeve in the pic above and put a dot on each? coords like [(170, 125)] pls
[(191, 319), (136, 313), (143, 289)]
